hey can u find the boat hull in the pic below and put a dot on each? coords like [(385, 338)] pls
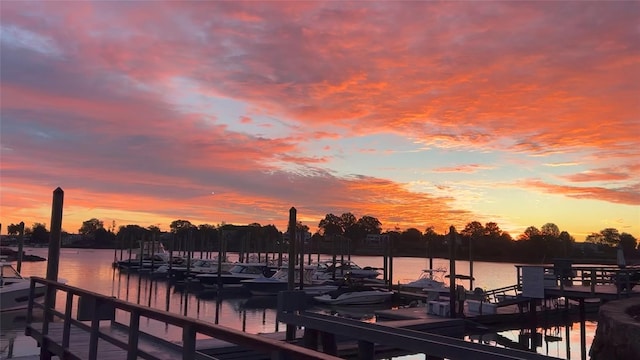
[(16, 296), (356, 298)]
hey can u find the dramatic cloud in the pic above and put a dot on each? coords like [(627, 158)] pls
[(140, 110)]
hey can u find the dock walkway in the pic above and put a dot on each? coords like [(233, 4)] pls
[(71, 338)]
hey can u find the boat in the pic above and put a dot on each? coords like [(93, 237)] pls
[(237, 273), (328, 270), (14, 289), (147, 258), (279, 281), (198, 266), (355, 295), (429, 280)]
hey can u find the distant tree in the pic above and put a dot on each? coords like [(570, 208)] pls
[(608, 237), (90, 227), (154, 229), (301, 228), (370, 224), (14, 229), (128, 235), (492, 230), (330, 226), (567, 241), (550, 229), (628, 243), (410, 240), (181, 227), (529, 233), (39, 233), (347, 220), (473, 229)]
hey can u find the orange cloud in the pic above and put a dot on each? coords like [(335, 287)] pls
[(629, 195)]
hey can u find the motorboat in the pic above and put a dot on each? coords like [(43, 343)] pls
[(197, 267), (328, 270), (279, 281), (429, 280), (147, 258), (355, 295), (237, 273), (14, 289)]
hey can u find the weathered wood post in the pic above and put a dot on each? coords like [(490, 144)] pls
[(20, 245), (291, 329), (53, 259), (301, 239), (471, 240), (452, 271), (390, 242)]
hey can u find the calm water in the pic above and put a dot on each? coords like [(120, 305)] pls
[(91, 269)]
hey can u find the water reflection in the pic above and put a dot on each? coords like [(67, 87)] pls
[(552, 337), (258, 314)]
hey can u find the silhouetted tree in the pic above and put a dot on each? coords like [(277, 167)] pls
[(89, 227), (39, 233)]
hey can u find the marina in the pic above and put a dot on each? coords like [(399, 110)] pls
[(259, 314)]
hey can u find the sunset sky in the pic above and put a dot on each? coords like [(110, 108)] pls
[(417, 113)]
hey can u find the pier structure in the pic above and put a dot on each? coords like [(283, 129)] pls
[(85, 337)]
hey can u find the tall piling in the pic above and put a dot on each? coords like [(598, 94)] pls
[(291, 329), (452, 271), (20, 246), (55, 238)]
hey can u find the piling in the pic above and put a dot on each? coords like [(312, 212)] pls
[(20, 245), (291, 329), (452, 271), (55, 238)]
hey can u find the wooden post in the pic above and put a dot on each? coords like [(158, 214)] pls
[(471, 263), (301, 260), (54, 247), (390, 242), (452, 271), (333, 259), (20, 245), (220, 241), (291, 329), (583, 331), (533, 313)]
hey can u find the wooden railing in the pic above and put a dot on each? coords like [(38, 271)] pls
[(368, 335), (100, 304), (587, 276)]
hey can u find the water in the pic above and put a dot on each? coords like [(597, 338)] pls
[(91, 269)]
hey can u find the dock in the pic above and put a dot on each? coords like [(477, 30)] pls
[(93, 333)]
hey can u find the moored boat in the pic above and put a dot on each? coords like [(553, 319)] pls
[(14, 289), (269, 286), (237, 273), (355, 295)]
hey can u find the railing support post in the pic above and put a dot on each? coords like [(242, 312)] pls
[(134, 326), (95, 331), (67, 321), (365, 350), (188, 342)]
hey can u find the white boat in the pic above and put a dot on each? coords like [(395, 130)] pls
[(147, 258), (355, 295), (429, 280), (326, 270), (14, 289), (239, 272), (268, 286)]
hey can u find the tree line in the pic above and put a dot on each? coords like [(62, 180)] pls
[(348, 234)]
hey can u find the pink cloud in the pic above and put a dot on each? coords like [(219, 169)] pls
[(526, 78), (629, 195), (468, 169)]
